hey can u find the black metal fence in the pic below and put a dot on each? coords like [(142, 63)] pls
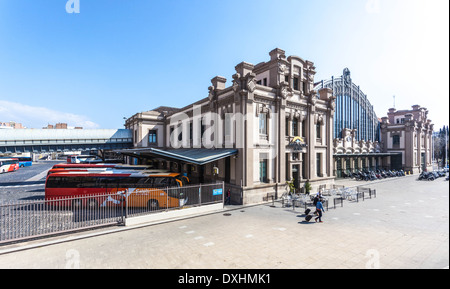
[(331, 198)]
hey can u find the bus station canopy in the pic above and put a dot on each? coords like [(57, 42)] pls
[(192, 156)]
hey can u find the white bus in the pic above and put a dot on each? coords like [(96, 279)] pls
[(9, 165)]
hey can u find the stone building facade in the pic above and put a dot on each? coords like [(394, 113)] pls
[(409, 134), (268, 127)]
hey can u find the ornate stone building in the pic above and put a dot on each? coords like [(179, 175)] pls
[(268, 127), (408, 133)]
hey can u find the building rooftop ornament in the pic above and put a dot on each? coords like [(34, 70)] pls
[(346, 75)]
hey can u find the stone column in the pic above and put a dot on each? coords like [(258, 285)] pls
[(327, 94), (280, 142), (247, 86), (310, 132)]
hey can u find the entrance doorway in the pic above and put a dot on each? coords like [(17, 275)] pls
[(396, 162)]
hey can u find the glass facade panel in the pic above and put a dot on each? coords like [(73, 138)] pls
[(353, 110)]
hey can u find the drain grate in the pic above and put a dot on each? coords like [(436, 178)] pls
[(227, 214)]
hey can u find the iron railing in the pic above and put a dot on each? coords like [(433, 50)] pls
[(156, 200), (28, 219), (23, 220)]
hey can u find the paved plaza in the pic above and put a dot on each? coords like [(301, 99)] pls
[(406, 226)]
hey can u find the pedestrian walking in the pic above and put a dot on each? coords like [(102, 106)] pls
[(228, 199), (319, 210), (316, 199)]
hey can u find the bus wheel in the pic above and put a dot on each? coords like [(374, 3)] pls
[(153, 205)]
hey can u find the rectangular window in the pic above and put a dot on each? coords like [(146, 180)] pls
[(296, 83), (286, 161), (228, 123), (174, 137), (295, 127), (152, 137), (319, 164), (303, 129), (180, 130), (318, 131), (203, 127), (304, 166), (265, 81), (263, 171), (396, 141), (263, 123), (286, 126)]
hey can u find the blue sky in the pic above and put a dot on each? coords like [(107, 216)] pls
[(117, 58)]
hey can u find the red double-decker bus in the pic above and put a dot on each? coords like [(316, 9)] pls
[(110, 188)]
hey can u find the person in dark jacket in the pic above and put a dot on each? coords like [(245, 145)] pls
[(228, 199)]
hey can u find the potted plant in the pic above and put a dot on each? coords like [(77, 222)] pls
[(307, 187)]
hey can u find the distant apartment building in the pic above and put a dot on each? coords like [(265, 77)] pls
[(60, 126), (11, 125)]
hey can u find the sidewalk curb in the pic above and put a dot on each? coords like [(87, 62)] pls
[(23, 246)]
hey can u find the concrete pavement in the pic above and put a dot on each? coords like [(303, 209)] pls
[(406, 226)]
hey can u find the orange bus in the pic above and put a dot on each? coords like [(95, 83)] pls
[(111, 188)]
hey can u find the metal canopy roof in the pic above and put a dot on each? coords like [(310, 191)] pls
[(103, 135), (192, 156)]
